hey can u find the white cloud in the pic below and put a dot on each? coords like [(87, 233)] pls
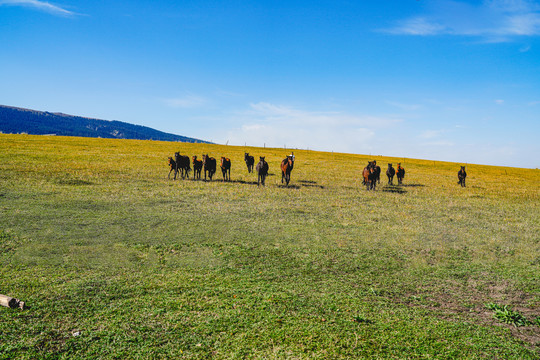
[(286, 114), (499, 101), (407, 107), (430, 134), (39, 5), (186, 102), (418, 26), (492, 20), (277, 125), (445, 143)]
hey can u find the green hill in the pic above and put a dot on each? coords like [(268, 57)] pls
[(15, 120)]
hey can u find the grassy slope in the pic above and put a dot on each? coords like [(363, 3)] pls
[(96, 239)]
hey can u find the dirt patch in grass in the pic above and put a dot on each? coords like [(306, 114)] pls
[(469, 301)]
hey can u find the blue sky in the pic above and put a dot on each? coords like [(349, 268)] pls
[(431, 79)]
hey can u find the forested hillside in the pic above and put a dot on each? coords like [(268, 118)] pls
[(17, 120)]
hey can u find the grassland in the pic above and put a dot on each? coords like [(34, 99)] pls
[(116, 261)]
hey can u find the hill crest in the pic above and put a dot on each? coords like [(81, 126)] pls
[(14, 120)]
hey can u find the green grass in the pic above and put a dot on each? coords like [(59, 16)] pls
[(509, 316), (116, 261)]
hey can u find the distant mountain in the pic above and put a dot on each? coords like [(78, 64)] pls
[(16, 120)]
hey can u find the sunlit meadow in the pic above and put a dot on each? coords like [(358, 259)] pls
[(115, 260)]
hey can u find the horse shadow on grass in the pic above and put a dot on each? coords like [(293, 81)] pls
[(302, 183), (394, 189), (413, 185), (243, 182), (400, 189), (290, 186), (310, 183)]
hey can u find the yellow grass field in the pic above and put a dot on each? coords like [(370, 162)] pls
[(101, 244)]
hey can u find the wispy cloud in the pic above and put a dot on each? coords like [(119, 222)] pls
[(417, 26), (186, 102), (430, 134), (39, 5), (282, 125), (406, 107), (492, 20)]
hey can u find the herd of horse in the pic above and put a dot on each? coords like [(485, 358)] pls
[(181, 166), (371, 174)]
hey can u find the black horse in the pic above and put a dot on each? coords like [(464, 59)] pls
[(462, 174), (262, 171), (390, 172), (250, 160), (172, 167), (226, 168), (400, 173), (197, 167), (209, 165), (182, 165), (376, 171)]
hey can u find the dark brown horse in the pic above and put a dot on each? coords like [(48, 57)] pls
[(197, 167), (390, 172), (462, 174), (262, 171), (286, 167), (172, 167), (250, 160), (369, 176), (377, 171), (226, 168), (209, 165), (182, 165), (400, 173)]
